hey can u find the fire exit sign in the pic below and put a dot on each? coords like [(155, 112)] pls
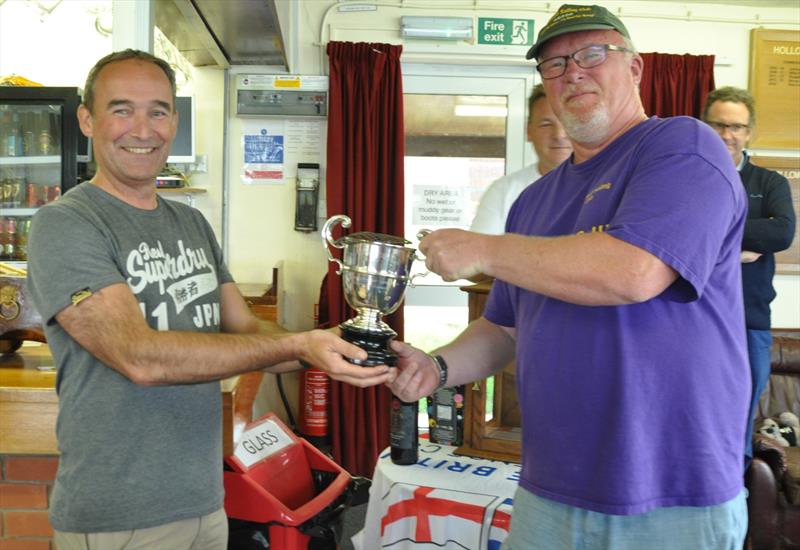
[(505, 32)]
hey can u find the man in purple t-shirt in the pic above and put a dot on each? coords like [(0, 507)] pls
[(618, 289)]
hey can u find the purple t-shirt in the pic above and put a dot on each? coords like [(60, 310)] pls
[(635, 407)]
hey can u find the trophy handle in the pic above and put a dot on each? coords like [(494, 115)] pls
[(327, 237), (421, 234)]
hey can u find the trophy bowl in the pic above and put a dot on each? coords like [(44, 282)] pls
[(375, 270)]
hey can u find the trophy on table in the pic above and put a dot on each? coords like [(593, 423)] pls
[(375, 270)]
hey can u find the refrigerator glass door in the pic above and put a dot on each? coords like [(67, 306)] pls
[(30, 169)]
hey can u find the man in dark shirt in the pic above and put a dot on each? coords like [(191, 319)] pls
[(769, 229)]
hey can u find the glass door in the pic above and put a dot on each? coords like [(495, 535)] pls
[(38, 158), (465, 127), (30, 170)]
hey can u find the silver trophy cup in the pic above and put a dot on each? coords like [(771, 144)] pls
[(375, 270)]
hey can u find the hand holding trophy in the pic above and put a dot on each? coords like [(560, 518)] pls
[(375, 270)]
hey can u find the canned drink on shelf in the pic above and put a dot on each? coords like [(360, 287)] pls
[(23, 227), (4, 236), (10, 238), (53, 193), (7, 193), (29, 147), (17, 189), (55, 134), (45, 137), (31, 196)]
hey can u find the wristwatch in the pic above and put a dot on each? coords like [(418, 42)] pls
[(440, 363)]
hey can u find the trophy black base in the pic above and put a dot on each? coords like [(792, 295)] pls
[(375, 344)]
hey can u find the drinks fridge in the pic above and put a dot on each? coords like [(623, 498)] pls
[(38, 157)]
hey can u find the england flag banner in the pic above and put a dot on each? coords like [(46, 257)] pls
[(443, 501)]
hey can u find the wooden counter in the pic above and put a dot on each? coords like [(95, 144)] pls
[(29, 405), (28, 402)]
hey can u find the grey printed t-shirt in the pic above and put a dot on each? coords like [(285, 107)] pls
[(131, 456)]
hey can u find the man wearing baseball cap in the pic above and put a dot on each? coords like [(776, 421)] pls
[(618, 291)]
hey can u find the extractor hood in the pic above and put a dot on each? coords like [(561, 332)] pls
[(221, 33)]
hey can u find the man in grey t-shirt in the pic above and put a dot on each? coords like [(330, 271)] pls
[(143, 319)]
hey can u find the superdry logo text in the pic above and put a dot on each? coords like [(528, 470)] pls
[(148, 265), (185, 276)]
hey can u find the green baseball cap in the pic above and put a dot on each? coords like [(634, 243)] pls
[(572, 18)]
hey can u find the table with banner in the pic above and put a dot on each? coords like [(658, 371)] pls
[(442, 501)]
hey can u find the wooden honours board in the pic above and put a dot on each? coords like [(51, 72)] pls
[(775, 85)]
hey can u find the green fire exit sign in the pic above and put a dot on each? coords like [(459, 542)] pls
[(505, 32)]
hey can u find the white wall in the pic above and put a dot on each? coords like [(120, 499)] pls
[(207, 85), (261, 225)]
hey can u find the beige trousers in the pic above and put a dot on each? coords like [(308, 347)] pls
[(209, 532)]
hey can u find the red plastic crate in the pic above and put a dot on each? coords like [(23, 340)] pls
[(279, 487)]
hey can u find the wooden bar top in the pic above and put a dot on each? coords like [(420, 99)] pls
[(29, 405), (31, 367), (28, 401)]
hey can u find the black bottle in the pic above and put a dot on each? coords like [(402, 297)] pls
[(404, 435)]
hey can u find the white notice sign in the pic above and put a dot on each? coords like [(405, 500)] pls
[(261, 441), (441, 206)]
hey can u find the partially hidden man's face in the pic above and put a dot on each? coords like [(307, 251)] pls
[(592, 103), (133, 122), (732, 122), (547, 135)]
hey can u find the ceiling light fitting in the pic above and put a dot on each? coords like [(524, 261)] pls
[(446, 28)]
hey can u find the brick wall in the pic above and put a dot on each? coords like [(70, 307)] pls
[(25, 485)]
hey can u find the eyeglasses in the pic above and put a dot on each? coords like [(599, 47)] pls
[(585, 58), (735, 129)]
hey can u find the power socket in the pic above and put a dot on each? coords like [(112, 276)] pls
[(200, 165)]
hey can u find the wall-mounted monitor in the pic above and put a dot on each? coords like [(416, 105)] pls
[(183, 146)]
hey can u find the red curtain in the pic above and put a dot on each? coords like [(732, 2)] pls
[(366, 150), (675, 85)]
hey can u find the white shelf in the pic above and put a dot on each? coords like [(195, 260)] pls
[(13, 212), (181, 190), (188, 192), (15, 264), (22, 161)]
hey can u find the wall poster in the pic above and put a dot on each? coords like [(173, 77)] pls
[(775, 85), (787, 261), (262, 152)]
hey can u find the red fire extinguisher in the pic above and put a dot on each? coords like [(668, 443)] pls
[(315, 387), (315, 391)]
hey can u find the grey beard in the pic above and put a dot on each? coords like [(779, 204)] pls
[(583, 130)]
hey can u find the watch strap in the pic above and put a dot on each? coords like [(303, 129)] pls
[(440, 363)]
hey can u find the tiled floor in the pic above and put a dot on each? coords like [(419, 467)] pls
[(352, 523)]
